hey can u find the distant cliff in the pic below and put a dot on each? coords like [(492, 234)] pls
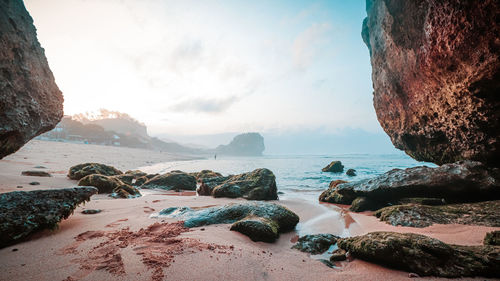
[(248, 144)]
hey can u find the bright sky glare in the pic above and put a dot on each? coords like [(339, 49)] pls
[(207, 67)]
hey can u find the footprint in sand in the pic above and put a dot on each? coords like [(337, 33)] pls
[(116, 223)]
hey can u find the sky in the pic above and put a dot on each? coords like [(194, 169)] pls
[(191, 68)]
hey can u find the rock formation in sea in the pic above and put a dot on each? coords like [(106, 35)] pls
[(24, 213), (30, 103), (248, 144), (436, 77)]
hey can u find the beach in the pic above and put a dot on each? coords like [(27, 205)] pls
[(111, 245)]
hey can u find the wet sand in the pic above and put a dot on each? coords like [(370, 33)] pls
[(111, 245)]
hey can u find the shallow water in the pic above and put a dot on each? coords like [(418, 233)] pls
[(297, 177)]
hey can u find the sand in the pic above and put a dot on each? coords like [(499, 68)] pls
[(124, 243)]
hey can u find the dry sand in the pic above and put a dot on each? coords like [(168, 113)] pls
[(124, 243)]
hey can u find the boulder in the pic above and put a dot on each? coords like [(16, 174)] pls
[(315, 243), (35, 174), (492, 238), (464, 181), (113, 185), (362, 204), (351, 172), (175, 180), (415, 215), (259, 184), (423, 255), (261, 221), (332, 196), (81, 170), (23, 213), (334, 167), (338, 255), (205, 174), (31, 102), (436, 77)]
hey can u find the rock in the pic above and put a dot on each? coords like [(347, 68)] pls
[(204, 174), (35, 174), (113, 185), (204, 190), (261, 221), (334, 167), (31, 102), (464, 181), (140, 181), (79, 171), (421, 201), (332, 196), (259, 184), (40, 167), (25, 212), (436, 73), (424, 255), (91, 211), (175, 180), (19, 186), (248, 144), (315, 243), (34, 183), (351, 172), (136, 173), (492, 238), (362, 204), (338, 255), (414, 215)]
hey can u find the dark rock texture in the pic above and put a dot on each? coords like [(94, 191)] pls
[(464, 181), (492, 238), (174, 180), (30, 102), (332, 196), (205, 174), (110, 184), (436, 76), (334, 167), (259, 184), (35, 174), (424, 255), (259, 220), (338, 255), (248, 144), (351, 172), (81, 170), (23, 213), (315, 243), (482, 213)]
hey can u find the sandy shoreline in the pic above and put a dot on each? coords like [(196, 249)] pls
[(206, 253)]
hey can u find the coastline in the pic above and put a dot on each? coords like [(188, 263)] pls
[(43, 257)]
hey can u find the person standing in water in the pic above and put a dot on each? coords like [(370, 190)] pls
[(215, 156)]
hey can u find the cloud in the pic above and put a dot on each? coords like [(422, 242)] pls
[(306, 45), (205, 105)]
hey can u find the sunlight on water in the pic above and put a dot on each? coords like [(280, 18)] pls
[(296, 176)]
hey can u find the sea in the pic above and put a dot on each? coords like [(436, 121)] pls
[(297, 176)]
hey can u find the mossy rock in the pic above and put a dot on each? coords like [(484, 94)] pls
[(79, 171)]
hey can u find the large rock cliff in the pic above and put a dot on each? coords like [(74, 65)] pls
[(30, 101), (436, 76)]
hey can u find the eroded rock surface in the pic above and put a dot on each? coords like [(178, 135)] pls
[(334, 167), (30, 103), (315, 243), (260, 221), (492, 238), (110, 184), (436, 76), (259, 184), (464, 181), (81, 170), (174, 180), (415, 215), (424, 255), (25, 212)]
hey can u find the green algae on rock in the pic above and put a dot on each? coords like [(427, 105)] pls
[(174, 180), (414, 215), (23, 213), (81, 170), (315, 243), (110, 184), (261, 221), (424, 255), (492, 238), (334, 167)]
